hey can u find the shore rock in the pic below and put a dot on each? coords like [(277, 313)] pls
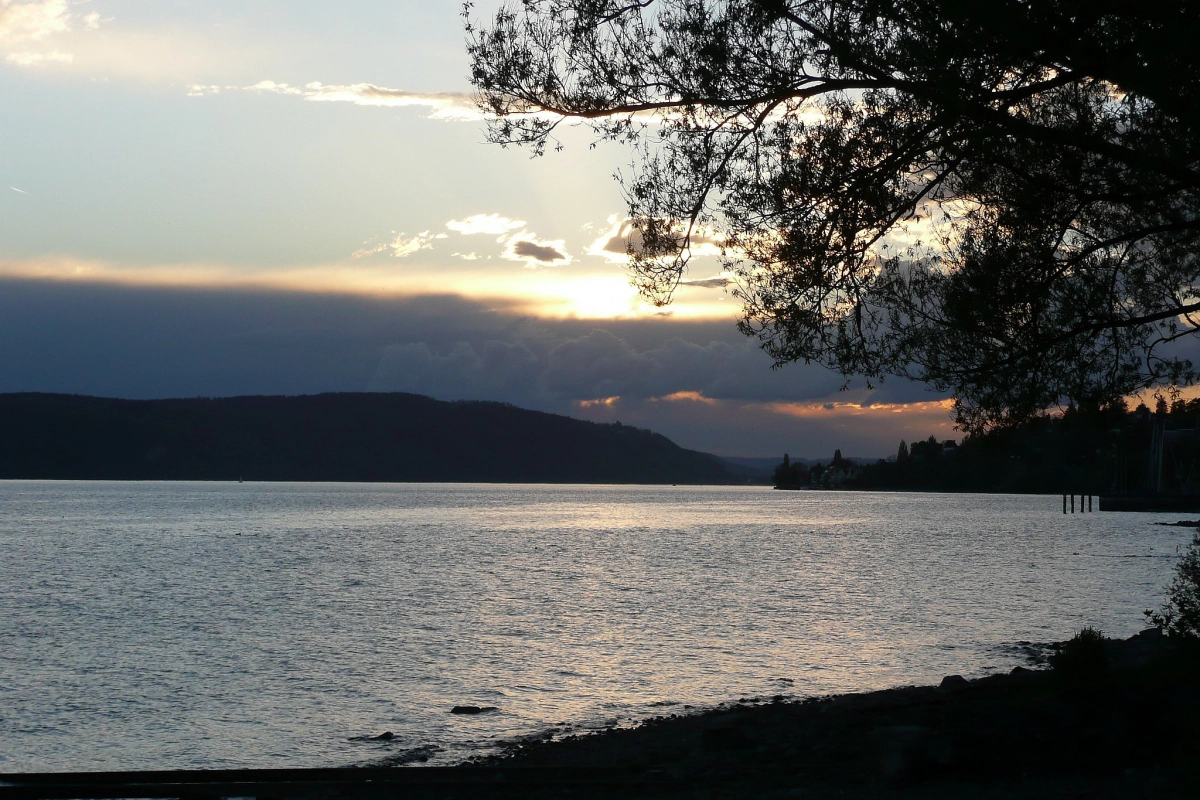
[(472, 709)]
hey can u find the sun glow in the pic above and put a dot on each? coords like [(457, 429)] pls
[(549, 293)]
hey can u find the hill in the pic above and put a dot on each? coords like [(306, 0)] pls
[(330, 437)]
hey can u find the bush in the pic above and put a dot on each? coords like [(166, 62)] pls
[(1081, 656), (1180, 615)]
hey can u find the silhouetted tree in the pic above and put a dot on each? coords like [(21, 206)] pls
[(1180, 614), (902, 453), (997, 198), (790, 475)]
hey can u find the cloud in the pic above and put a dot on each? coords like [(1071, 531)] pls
[(552, 294), (721, 396), (22, 23), (267, 86), (457, 106), (39, 59), (401, 245), (598, 402), (534, 252), (602, 364), (546, 365), (613, 244), (519, 244), (33, 21), (866, 408), (707, 283), (495, 369), (491, 224), (199, 90), (683, 397), (596, 365), (701, 383), (51, 33)]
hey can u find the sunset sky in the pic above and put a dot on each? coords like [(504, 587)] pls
[(217, 198)]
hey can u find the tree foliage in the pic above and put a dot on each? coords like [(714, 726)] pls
[(1180, 614), (996, 198)]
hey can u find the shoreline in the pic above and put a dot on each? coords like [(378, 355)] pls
[(1127, 726), (1110, 719)]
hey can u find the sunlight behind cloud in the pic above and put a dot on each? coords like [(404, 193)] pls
[(547, 294)]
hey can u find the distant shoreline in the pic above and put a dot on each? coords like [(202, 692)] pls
[(363, 437), (485, 482)]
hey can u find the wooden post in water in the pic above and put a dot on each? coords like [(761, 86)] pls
[(1064, 502), (1072, 502), (1089, 503)]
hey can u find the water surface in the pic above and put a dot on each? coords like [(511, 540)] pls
[(172, 625)]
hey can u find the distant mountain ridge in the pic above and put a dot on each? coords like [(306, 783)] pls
[(367, 437)]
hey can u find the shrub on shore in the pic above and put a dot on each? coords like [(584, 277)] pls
[(1180, 614), (1082, 655)]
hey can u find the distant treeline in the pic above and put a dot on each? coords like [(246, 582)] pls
[(330, 437), (1110, 449)]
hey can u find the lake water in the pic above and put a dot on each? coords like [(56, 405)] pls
[(172, 625)]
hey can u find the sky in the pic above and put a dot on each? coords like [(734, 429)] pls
[(218, 198)]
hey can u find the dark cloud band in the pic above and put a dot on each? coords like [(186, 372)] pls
[(143, 342)]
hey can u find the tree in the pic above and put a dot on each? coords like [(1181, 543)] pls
[(1180, 614), (999, 199)]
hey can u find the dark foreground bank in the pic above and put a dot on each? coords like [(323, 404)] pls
[(1123, 723)]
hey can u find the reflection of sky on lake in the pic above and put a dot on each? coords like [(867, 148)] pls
[(143, 630)]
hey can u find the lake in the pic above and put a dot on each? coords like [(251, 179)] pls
[(176, 625)]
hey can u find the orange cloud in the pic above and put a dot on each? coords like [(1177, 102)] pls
[(692, 397), (607, 402), (809, 410)]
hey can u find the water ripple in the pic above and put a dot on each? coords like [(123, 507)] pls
[(164, 625)]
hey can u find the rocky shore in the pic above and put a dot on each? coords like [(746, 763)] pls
[(1120, 721), (1109, 719)]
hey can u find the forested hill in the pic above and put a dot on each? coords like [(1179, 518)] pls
[(330, 437)]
